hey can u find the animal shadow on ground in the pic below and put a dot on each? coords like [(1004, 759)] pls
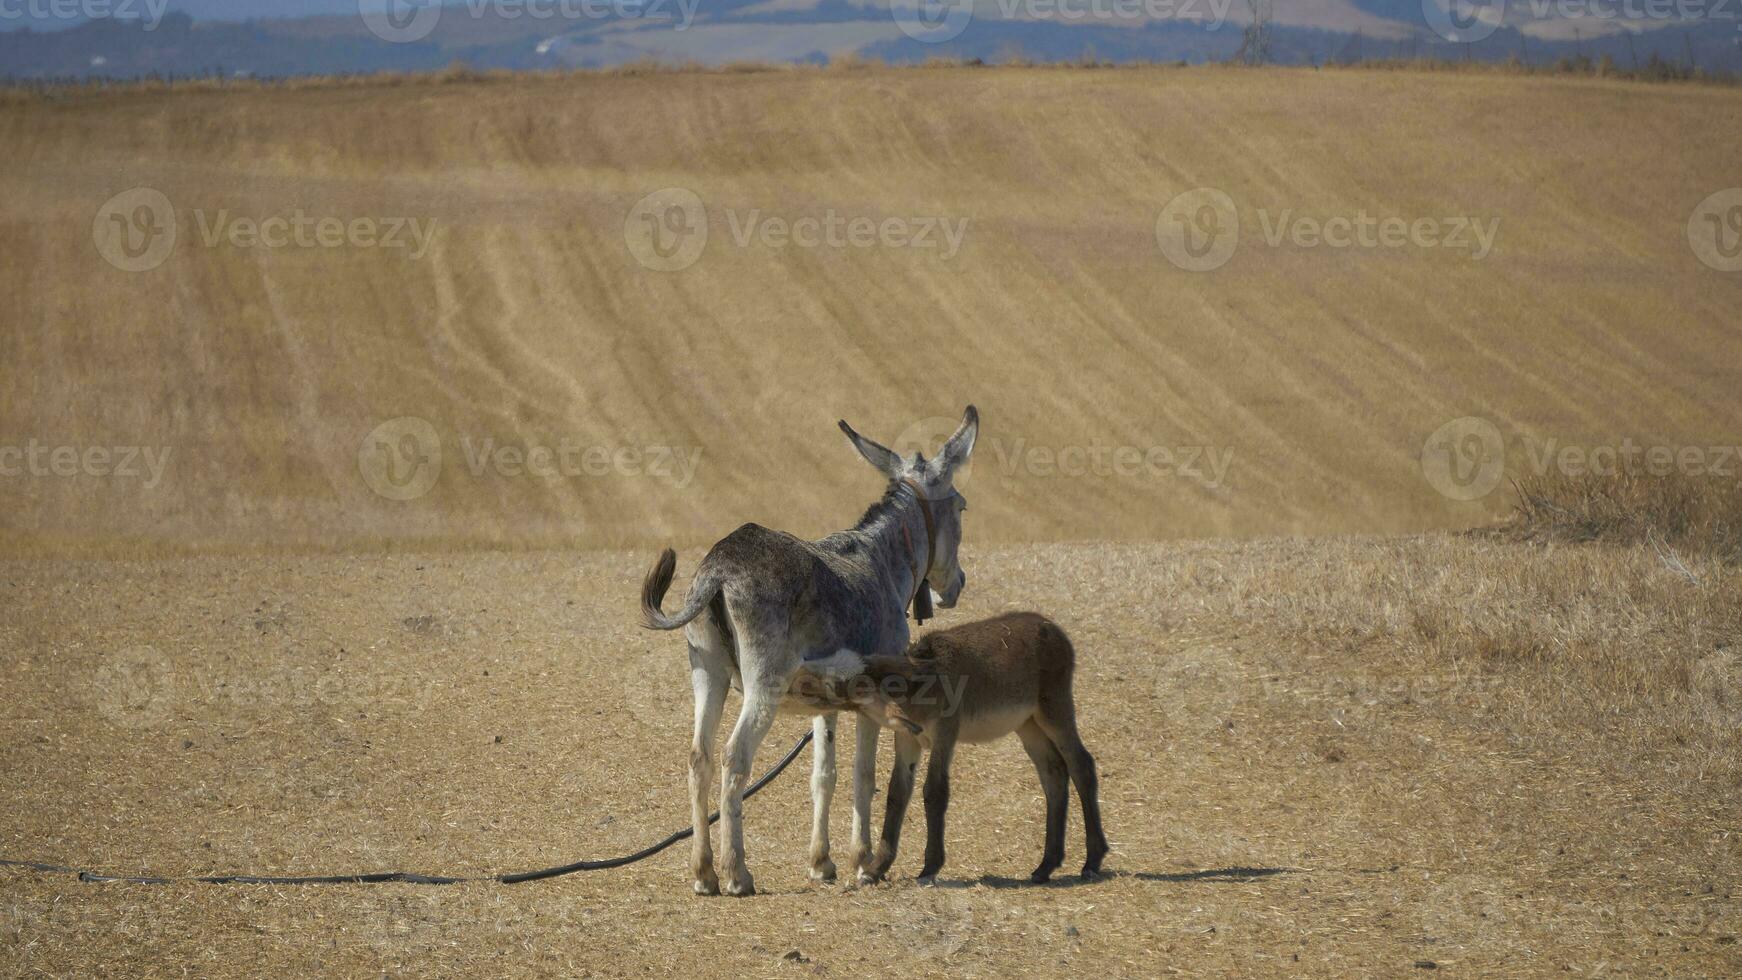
[(1231, 874)]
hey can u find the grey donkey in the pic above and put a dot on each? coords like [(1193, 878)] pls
[(765, 602), (979, 682)]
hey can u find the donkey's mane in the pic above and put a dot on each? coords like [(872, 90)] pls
[(880, 508)]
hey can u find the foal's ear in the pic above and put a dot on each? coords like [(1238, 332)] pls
[(886, 460), (960, 445)]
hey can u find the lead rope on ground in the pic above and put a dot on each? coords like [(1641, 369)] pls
[(417, 879)]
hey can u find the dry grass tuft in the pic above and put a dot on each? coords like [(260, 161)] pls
[(1702, 516)]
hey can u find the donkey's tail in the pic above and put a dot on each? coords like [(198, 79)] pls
[(653, 590)]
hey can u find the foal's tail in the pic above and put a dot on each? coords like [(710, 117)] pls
[(653, 590)]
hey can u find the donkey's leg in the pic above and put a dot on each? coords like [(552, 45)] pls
[(822, 794), (937, 797), (1054, 781), (1061, 728), (895, 805), (709, 679), (761, 703), (864, 784)]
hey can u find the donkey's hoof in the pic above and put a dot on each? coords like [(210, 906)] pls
[(707, 886), (741, 886), (823, 871), (1092, 871), (868, 877), (1042, 874)]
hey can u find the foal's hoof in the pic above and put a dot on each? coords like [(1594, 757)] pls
[(709, 886), (741, 887), (824, 871), (1042, 874), (1092, 871)]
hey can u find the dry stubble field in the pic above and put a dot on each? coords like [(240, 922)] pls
[(1366, 746)]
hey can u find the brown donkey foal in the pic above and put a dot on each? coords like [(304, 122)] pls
[(975, 683)]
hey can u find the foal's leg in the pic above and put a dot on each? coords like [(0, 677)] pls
[(709, 679), (1061, 727), (937, 796), (895, 805), (864, 784), (1050, 766), (822, 794)]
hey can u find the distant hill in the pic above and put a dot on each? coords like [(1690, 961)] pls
[(202, 37)]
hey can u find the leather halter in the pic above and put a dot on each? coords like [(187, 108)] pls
[(921, 598)]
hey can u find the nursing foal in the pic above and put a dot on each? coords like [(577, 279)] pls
[(977, 683)]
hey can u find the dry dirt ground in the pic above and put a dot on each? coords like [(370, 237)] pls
[(1314, 758)]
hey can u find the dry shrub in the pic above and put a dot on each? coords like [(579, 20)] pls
[(1697, 515)]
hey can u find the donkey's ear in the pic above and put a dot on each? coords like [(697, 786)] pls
[(956, 451), (886, 461)]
